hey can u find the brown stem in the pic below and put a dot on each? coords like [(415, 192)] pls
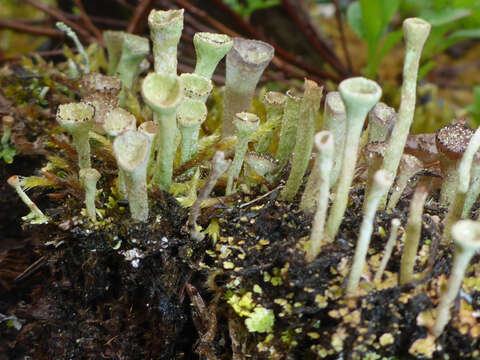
[(88, 22), (60, 16), (24, 28), (338, 15), (48, 53), (307, 29), (138, 22)]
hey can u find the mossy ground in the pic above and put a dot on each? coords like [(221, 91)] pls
[(136, 291)]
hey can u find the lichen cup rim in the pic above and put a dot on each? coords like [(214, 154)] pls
[(131, 149), (162, 91)]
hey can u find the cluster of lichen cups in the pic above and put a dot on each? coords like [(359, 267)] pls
[(145, 154)]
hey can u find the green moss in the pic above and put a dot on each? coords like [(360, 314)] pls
[(261, 320)]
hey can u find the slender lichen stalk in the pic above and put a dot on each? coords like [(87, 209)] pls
[(335, 120), (71, 34), (114, 43), (321, 170), (304, 139), (286, 141), (464, 175), (165, 30), (134, 51), (246, 62), (274, 104), (116, 122), (413, 232), (78, 120), (474, 189), (382, 182), (132, 151), (246, 124), (359, 96), (210, 49), (89, 178), (7, 123), (163, 93), (151, 130), (190, 116), (415, 32), (381, 120), (35, 216), (219, 166), (388, 250), (466, 234), (409, 166)]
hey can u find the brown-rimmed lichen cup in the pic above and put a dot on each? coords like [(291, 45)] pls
[(78, 120)]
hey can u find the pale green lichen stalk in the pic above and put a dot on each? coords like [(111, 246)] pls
[(388, 250), (114, 43), (286, 141), (35, 216), (409, 166), (89, 177), (218, 167), (474, 189), (464, 175), (415, 32), (116, 122), (412, 234), (150, 129), (304, 139), (190, 116), (132, 151), (335, 120), (7, 123), (246, 62), (321, 171), (381, 120), (210, 48), (134, 51), (163, 93), (71, 34), (274, 104), (165, 31), (466, 234), (382, 182), (78, 120), (359, 96), (246, 124)]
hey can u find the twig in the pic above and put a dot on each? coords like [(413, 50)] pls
[(307, 29), (88, 22), (261, 197), (101, 21), (47, 53), (138, 22), (24, 28), (338, 16), (59, 15)]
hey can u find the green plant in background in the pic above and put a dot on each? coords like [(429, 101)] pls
[(474, 109), (7, 151), (369, 19), (246, 8)]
